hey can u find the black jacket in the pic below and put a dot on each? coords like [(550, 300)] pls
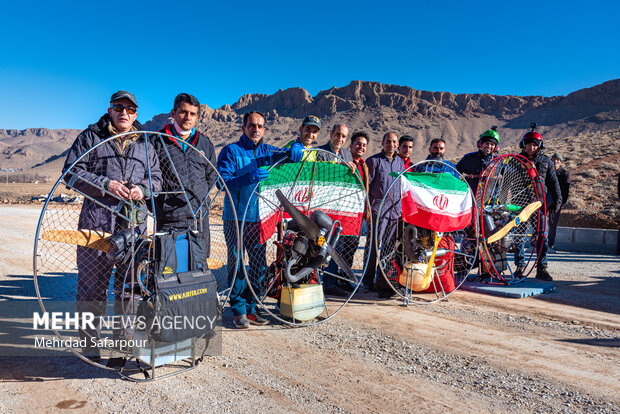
[(564, 180), (345, 153), (474, 163), (550, 183), (196, 176), (106, 163)]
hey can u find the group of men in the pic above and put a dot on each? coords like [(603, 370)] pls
[(129, 168)]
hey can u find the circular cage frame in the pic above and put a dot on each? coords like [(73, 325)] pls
[(406, 293), (222, 294), (272, 309), (488, 184)]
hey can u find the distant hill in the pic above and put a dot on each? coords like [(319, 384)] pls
[(370, 106)]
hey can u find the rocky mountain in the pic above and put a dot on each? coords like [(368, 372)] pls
[(370, 106), (378, 108)]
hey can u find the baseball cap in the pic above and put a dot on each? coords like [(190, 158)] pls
[(124, 94), (312, 120)]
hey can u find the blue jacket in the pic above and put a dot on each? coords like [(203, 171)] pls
[(436, 168), (235, 164)]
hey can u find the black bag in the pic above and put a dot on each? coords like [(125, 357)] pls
[(184, 304)]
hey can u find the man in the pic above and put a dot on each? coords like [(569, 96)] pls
[(436, 151), (532, 148), (405, 149), (564, 180), (379, 168), (474, 163), (113, 177), (308, 133), (188, 169), (347, 245), (335, 145), (240, 165)]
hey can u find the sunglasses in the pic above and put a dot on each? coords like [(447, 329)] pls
[(119, 108)]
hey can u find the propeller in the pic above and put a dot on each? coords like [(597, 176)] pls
[(304, 222), (521, 218), (98, 240), (313, 232)]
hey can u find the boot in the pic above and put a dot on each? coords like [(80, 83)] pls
[(518, 273), (543, 274)]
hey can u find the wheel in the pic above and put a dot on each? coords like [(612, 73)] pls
[(511, 208), (109, 272), (308, 244), (433, 246)]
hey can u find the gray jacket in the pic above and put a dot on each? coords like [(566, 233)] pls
[(344, 153), (107, 163), (379, 179)]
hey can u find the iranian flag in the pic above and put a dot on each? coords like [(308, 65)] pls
[(330, 187), (440, 202)]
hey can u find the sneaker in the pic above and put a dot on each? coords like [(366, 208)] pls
[(257, 319), (543, 274), (518, 273), (241, 322)]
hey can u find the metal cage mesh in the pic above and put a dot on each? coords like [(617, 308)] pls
[(509, 184), (79, 267), (331, 187)]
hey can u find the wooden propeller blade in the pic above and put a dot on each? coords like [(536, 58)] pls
[(88, 238), (521, 218), (97, 240), (214, 263)]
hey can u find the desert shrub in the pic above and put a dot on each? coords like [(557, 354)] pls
[(610, 166), (591, 173), (576, 203)]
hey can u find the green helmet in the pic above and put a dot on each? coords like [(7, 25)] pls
[(489, 134)]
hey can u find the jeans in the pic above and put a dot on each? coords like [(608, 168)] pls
[(242, 301), (347, 246), (541, 243)]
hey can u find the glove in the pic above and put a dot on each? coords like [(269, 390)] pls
[(557, 206), (297, 152), (258, 174)]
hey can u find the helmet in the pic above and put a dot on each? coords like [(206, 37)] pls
[(489, 135), (532, 136)]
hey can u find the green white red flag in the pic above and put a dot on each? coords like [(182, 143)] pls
[(440, 202), (330, 187)]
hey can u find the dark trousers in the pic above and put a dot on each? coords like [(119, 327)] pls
[(94, 272), (386, 234), (347, 246), (554, 218)]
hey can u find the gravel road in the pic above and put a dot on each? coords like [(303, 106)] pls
[(558, 352)]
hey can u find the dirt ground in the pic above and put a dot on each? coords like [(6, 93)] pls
[(558, 352)]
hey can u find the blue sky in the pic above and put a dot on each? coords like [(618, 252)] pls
[(60, 61)]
